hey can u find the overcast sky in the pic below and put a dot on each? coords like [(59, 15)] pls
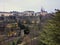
[(34, 5)]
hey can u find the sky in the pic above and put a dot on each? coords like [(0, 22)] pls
[(32, 5)]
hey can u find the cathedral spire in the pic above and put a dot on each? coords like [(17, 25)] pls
[(42, 9)]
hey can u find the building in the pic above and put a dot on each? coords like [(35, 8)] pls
[(26, 16), (5, 13), (43, 12), (37, 13), (29, 13)]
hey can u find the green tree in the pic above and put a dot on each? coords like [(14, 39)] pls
[(26, 31), (19, 41), (13, 43), (50, 34), (25, 28), (20, 25)]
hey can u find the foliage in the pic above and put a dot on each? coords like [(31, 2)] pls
[(23, 27), (50, 35), (13, 43), (20, 25), (19, 41), (26, 31)]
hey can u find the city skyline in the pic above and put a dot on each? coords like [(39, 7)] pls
[(33, 5)]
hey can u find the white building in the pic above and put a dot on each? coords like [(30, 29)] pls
[(5, 13), (37, 14), (29, 13)]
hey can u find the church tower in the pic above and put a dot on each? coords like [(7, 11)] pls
[(43, 12)]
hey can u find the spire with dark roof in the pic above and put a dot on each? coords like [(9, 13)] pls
[(42, 9)]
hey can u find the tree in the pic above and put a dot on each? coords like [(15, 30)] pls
[(50, 34), (13, 43), (26, 31), (23, 27), (20, 25), (19, 41)]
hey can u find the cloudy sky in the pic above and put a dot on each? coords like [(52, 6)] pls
[(35, 5)]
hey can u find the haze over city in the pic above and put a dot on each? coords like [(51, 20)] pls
[(34, 5), (29, 22)]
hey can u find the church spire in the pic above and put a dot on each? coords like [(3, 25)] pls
[(42, 9)]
